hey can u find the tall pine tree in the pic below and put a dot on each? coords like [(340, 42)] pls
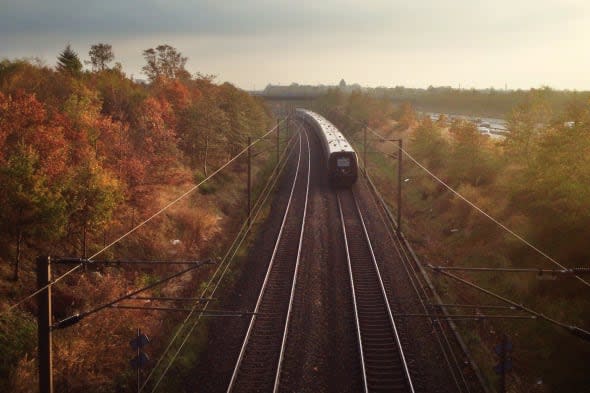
[(68, 61)]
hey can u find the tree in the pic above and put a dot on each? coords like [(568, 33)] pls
[(428, 144), (164, 61), (100, 55), (471, 159), (527, 123), (29, 209), (92, 195), (407, 116), (68, 61)]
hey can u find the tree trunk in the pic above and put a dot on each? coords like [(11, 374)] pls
[(84, 242), (19, 240), (206, 152)]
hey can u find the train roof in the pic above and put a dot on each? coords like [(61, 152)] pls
[(336, 142)]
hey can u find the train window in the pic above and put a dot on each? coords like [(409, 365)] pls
[(343, 162)]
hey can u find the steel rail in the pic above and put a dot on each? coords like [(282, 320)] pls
[(411, 263), (271, 265), (300, 247), (224, 265), (354, 303), (385, 299), (414, 278), (383, 291)]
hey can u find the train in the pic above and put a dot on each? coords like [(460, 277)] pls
[(341, 159)]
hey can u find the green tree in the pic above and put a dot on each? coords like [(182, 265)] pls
[(92, 195), (100, 56), (29, 208), (68, 61), (554, 189)]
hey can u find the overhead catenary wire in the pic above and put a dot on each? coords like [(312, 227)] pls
[(571, 328), (473, 205), (141, 224), (219, 267), (581, 333), (441, 337), (194, 325), (226, 260), (77, 317)]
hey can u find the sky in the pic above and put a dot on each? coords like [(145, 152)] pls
[(251, 43)]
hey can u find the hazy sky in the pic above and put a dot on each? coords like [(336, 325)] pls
[(521, 43)]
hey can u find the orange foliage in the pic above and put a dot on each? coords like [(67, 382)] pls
[(104, 153)]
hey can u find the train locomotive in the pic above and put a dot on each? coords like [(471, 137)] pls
[(341, 159)]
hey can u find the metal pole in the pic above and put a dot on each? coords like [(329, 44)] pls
[(44, 323), (278, 135), (503, 364), (365, 147), (399, 186), (249, 186), (138, 359)]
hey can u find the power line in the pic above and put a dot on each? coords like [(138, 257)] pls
[(235, 247), (473, 205), (223, 262), (78, 317), (184, 341), (184, 195), (576, 331)]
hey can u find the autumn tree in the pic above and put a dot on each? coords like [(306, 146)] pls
[(68, 61), (92, 195), (164, 61), (32, 166), (527, 123), (203, 125), (121, 97), (553, 188), (100, 56), (157, 141), (406, 115), (29, 209), (428, 145), (471, 161)]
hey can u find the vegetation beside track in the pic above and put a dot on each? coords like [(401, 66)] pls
[(535, 182), (84, 157)]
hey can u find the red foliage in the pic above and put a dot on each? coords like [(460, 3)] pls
[(174, 92), (24, 120)]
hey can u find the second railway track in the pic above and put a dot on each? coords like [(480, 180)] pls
[(384, 366), (258, 367)]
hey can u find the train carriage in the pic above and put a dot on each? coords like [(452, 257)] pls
[(341, 159)]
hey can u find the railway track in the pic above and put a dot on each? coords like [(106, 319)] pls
[(383, 364), (452, 349), (258, 367)]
